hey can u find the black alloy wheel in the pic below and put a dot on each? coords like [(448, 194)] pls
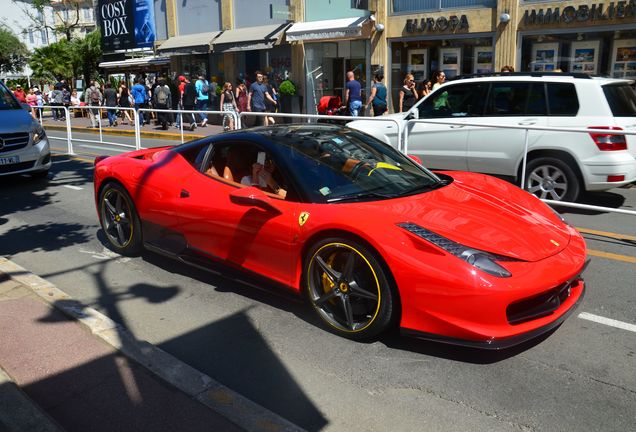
[(348, 289), (119, 220)]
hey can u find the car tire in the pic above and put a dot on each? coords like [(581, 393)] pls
[(348, 288), (119, 220), (552, 178)]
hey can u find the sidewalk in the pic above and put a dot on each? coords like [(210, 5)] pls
[(64, 367)]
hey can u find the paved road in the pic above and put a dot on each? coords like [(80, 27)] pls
[(268, 347)]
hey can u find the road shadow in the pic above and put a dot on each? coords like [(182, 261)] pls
[(600, 199), (42, 237)]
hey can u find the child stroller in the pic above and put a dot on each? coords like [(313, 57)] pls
[(332, 106)]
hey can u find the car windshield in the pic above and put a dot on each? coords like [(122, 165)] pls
[(334, 164), (7, 101), (621, 99)]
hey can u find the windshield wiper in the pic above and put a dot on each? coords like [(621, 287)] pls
[(426, 188), (359, 196)]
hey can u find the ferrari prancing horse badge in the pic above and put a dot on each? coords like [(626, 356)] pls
[(303, 218)]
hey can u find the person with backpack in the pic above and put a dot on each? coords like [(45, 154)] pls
[(188, 100), (162, 99), (140, 96), (94, 98), (202, 87), (56, 101), (110, 101), (66, 98)]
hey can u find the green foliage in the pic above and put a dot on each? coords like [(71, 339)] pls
[(63, 59), (13, 53), (287, 88)]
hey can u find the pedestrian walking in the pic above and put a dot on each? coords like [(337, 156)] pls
[(377, 98), (56, 101), (110, 101), (228, 104), (188, 100), (408, 94), (271, 107), (66, 98), (203, 88), (94, 98), (353, 94), (162, 100), (257, 96), (32, 100), (19, 94), (125, 100), (241, 96), (140, 98)]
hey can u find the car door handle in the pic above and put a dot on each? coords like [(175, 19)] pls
[(184, 194), (457, 126), (527, 123)]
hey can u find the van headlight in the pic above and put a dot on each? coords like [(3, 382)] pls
[(37, 133), (482, 260)]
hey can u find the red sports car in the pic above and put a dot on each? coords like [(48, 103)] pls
[(372, 238)]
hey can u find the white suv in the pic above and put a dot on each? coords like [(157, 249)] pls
[(560, 164), (24, 147)]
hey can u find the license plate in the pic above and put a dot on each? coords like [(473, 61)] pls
[(9, 160)]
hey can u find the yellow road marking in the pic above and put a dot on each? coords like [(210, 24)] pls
[(612, 256), (606, 234)]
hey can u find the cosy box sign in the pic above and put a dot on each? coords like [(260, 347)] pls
[(126, 24)]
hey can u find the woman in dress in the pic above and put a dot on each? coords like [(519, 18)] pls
[(228, 104), (241, 97), (124, 102), (408, 93)]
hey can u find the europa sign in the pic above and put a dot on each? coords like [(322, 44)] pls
[(126, 24), (452, 23)]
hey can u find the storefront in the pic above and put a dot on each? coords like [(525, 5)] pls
[(331, 48), (579, 37), (458, 42), (190, 54)]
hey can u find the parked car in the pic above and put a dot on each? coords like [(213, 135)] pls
[(369, 237), (560, 164), (24, 147)]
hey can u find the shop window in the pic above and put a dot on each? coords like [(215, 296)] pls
[(562, 99), (462, 100), (400, 6)]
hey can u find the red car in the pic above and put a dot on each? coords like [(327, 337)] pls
[(372, 238)]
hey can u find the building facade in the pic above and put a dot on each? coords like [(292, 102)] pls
[(315, 42)]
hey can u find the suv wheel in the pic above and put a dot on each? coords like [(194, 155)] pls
[(553, 179)]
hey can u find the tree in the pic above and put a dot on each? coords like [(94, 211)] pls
[(52, 62), (13, 53), (86, 54), (62, 25)]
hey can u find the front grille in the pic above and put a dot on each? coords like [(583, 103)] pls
[(539, 306), (13, 141), (16, 167)]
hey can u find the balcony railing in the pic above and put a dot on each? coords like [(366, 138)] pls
[(402, 6)]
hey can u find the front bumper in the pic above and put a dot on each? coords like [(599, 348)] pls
[(33, 158)]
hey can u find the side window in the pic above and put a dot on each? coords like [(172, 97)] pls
[(537, 104), (562, 99), (461, 100), (508, 99)]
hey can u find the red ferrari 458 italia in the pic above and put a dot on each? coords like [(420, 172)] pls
[(369, 236)]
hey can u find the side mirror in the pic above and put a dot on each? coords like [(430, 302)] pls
[(253, 197)]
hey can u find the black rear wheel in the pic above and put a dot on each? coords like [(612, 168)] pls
[(119, 220), (348, 288)]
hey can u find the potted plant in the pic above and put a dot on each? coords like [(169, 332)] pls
[(290, 102)]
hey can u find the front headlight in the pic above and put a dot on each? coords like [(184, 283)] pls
[(484, 261), (37, 133)]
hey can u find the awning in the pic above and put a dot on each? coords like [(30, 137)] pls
[(343, 28), (249, 38), (135, 62), (197, 43)]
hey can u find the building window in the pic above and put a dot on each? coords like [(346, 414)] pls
[(402, 6), (88, 14), (43, 36), (65, 14), (31, 39)]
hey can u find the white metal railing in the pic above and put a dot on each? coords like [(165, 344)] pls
[(527, 129), (310, 117), (402, 135)]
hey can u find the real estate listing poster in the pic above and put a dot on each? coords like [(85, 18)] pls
[(624, 58), (544, 57), (450, 61), (585, 57)]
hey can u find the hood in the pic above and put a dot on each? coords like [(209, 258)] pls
[(484, 213), (15, 120)]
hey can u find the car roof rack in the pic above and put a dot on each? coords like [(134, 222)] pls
[(531, 74)]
